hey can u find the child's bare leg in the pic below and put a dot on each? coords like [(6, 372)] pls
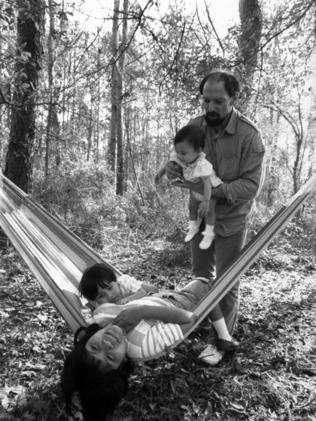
[(208, 233), (210, 217), (194, 220), (221, 329), (225, 341), (214, 353)]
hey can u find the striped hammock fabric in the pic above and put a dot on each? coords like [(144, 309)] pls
[(57, 257)]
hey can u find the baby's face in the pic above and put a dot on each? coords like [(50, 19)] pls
[(186, 152), (111, 293)]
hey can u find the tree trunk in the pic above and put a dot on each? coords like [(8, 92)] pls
[(127, 129), (90, 127), (51, 113), (114, 99), (311, 129), (22, 131), (249, 42), (119, 151), (97, 132)]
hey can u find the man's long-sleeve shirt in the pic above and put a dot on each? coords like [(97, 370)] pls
[(236, 154)]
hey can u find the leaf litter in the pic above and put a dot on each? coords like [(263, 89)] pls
[(271, 377)]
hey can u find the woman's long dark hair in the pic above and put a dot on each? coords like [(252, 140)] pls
[(99, 392)]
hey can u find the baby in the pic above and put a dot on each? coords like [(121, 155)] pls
[(188, 146)]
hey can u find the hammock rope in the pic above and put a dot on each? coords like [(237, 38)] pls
[(57, 257)]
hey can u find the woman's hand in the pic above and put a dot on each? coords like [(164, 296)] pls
[(128, 318)]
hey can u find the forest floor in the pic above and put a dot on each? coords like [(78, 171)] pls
[(271, 377)]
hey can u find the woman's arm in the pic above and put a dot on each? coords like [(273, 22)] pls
[(132, 315)]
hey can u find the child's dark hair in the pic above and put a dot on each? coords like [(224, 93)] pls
[(99, 392), (96, 275), (194, 135)]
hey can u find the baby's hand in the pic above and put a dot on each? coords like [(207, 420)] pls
[(177, 182), (157, 179), (173, 170)]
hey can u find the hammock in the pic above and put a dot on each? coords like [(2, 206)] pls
[(57, 257)]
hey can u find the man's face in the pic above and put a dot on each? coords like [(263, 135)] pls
[(216, 102)]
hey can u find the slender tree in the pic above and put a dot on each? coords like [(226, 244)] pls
[(52, 125), (121, 63), (114, 91), (311, 129)]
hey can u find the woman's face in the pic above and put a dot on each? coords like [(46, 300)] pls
[(107, 347)]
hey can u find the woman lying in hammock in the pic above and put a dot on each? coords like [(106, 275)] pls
[(102, 359)]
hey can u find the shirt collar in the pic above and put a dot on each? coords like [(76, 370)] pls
[(232, 123)]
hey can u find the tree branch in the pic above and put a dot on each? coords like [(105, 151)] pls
[(175, 56), (213, 27), (312, 3), (286, 116)]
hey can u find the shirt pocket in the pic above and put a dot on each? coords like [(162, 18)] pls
[(229, 166)]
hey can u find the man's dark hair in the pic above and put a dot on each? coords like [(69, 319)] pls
[(96, 275), (99, 392), (194, 135), (231, 83)]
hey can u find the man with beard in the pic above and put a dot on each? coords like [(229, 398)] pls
[(234, 147)]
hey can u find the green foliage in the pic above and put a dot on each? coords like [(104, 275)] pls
[(84, 199), (80, 196), (169, 50)]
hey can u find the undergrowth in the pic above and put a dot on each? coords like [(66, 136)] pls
[(270, 378)]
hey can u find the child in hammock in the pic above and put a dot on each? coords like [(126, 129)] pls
[(188, 146), (99, 284), (100, 364)]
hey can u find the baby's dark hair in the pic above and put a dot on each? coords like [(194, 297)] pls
[(96, 275), (99, 392), (194, 135), (231, 83)]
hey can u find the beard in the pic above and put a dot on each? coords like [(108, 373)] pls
[(213, 119)]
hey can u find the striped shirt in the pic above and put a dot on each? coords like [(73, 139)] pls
[(150, 338)]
